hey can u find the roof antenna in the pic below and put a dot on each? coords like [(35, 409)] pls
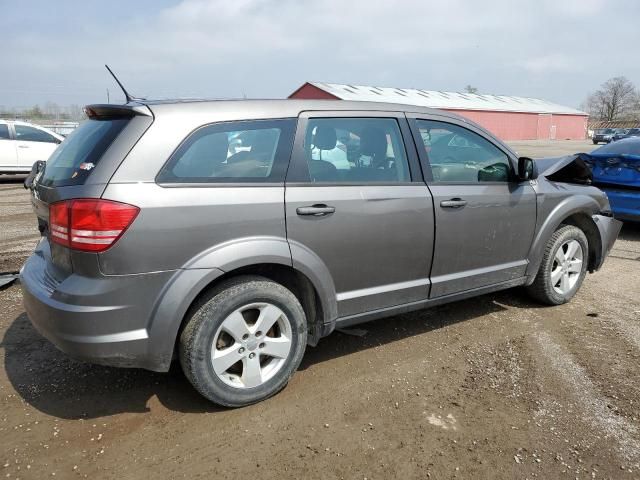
[(128, 97)]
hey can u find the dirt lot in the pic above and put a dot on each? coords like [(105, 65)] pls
[(537, 148), (493, 387)]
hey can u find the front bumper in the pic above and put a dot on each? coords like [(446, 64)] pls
[(102, 320), (609, 229)]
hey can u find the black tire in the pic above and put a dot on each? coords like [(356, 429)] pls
[(542, 288), (197, 337), (595, 143)]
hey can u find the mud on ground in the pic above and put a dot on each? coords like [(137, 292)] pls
[(493, 387)]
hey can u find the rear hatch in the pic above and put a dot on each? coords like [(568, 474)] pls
[(80, 168)]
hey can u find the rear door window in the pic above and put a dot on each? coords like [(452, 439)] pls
[(355, 150), (232, 152), (4, 131), (72, 162), (30, 134)]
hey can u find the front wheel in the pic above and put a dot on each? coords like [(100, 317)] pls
[(244, 342), (563, 266)]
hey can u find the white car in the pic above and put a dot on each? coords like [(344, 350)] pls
[(22, 144)]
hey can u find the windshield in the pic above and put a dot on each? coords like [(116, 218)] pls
[(72, 162)]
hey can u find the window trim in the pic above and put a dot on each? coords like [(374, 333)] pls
[(33, 127), (424, 157), (9, 131), (298, 174), (281, 159)]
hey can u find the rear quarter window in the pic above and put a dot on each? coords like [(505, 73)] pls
[(232, 152), (76, 157)]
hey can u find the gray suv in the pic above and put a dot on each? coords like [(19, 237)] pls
[(232, 234)]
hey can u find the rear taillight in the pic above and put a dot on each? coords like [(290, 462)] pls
[(90, 225)]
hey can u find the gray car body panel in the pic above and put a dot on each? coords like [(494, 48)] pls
[(465, 257), (125, 306), (184, 227)]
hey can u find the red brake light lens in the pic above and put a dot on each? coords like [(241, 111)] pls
[(90, 225)]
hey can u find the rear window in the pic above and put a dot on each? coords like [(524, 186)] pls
[(72, 162)]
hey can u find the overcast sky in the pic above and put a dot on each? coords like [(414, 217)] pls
[(558, 50)]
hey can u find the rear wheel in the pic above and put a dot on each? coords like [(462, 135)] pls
[(563, 267), (244, 342)]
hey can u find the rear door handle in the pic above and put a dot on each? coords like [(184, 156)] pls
[(23, 146), (453, 203), (318, 210)]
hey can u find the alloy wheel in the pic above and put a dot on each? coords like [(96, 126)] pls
[(251, 345), (567, 266)]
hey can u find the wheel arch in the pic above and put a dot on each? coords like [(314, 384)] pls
[(307, 278), (585, 222), (575, 210), (294, 280)]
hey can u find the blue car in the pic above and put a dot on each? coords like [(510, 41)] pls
[(616, 170)]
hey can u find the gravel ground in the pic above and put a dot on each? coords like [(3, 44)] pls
[(543, 148), (492, 387)]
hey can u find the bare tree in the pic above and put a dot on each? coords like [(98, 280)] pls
[(615, 100), (52, 110), (76, 113), (470, 89)]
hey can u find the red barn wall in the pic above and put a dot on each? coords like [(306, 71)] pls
[(504, 125), (544, 126), (572, 127), (529, 126)]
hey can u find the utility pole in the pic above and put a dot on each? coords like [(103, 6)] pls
[(108, 96)]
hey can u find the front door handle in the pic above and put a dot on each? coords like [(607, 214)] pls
[(318, 210), (453, 203), (23, 146)]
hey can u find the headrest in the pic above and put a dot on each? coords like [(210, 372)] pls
[(325, 138), (264, 141), (321, 171), (373, 143), (212, 148)]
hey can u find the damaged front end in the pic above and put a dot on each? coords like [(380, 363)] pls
[(568, 169), (618, 175)]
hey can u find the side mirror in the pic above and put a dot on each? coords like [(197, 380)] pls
[(527, 169)]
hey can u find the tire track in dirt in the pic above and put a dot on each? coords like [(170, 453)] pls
[(594, 406), (595, 410), (625, 322)]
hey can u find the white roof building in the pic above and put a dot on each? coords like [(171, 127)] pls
[(445, 100)]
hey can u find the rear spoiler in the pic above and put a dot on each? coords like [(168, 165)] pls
[(107, 110)]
